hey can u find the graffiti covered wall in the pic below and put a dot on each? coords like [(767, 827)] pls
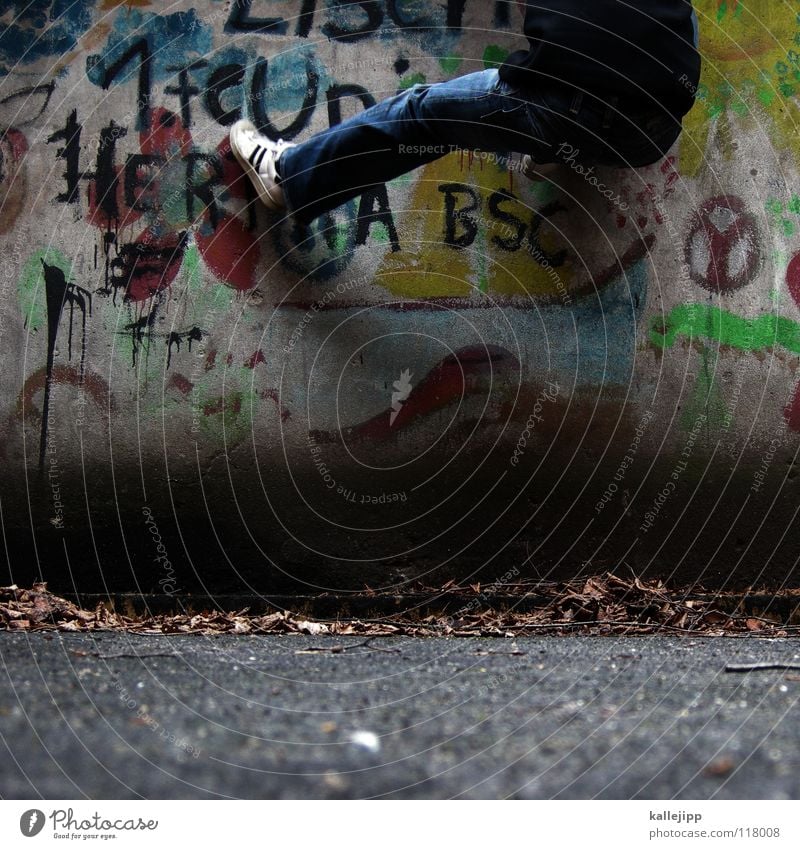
[(455, 370)]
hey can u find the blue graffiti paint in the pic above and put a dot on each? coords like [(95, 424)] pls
[(424, 25), (286, 80), (173, 40), (601, 344), (321, 250), (41, 28)]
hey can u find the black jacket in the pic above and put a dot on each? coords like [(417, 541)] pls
[(642, 51)]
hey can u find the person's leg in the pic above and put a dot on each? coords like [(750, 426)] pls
[(400, 134)]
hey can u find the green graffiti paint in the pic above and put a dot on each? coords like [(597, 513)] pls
[(779, 213), (401, 181), (412, 79), (379, 232), (706, 399), (342, 239), (493, 56), (229, 417), (725, 7), (30, 286), (206, 300), (707, 322), (192, 268), (172, 195), (450, 63)]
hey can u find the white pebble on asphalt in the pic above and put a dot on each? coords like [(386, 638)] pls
[(366, 740)]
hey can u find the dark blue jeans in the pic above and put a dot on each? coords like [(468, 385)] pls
[(476, 111)]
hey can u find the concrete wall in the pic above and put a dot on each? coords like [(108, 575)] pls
[(465, 373)]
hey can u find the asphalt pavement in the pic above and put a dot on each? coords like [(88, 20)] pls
[(119, 716)]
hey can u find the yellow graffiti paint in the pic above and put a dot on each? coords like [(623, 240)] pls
[(750, 79), (429, 267)]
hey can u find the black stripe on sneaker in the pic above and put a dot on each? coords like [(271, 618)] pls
[(257, 165), (256, 149)]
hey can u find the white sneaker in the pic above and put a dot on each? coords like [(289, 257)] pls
[(258, 156), (538, 171)]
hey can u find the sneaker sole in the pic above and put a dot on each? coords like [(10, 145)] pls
[(255, 178)]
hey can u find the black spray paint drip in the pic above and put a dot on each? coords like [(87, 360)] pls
[(193, 335), (58, 291), (142, 329)]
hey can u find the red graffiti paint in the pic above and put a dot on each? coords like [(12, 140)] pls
[(166, 140), (98, 217), (94, 385), (150, 264), (231, 252), (272, 395), (230, 404), (672, 175), (181, 383), (723, 249), (637, 251), (166, 136), (233, 177), (793, 278), (469, 371), (792, 410), (17, 143), (255, 359), (177, 190), (13, 177)]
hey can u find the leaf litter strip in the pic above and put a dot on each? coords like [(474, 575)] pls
[(599, 605)]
